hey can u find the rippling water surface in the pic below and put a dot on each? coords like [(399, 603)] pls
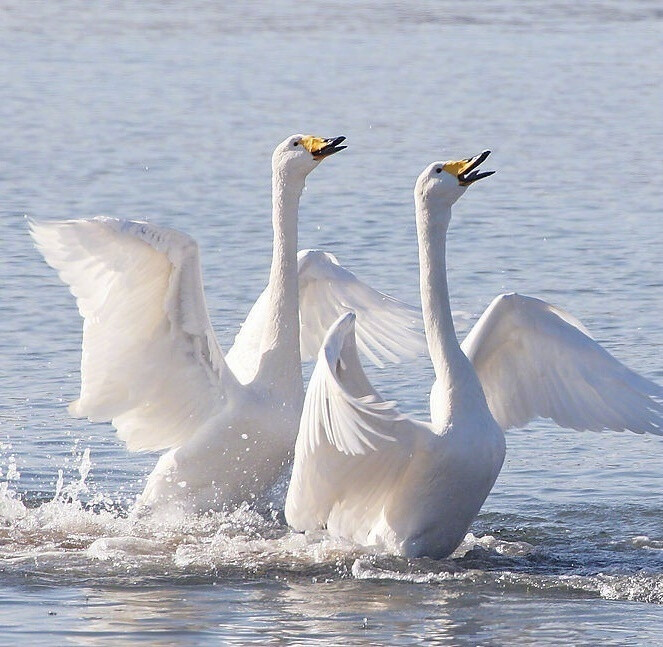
[(169, 111)]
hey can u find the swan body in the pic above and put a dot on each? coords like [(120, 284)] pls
[(152, 365), (369, 473)]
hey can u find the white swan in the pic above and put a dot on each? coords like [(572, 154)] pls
[(368, 473), (151, 362)]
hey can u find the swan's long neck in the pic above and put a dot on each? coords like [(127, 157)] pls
[(280, 340), (452, 368)]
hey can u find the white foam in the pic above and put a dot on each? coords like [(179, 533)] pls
[(488, 542), (11, 507), (363, 569), (643, 541), (106, 548), (638, 587), (67, 536)]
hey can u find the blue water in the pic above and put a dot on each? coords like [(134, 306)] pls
[(169, 112)]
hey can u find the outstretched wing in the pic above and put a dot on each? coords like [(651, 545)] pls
[(151, 362), (536, 360), (386, 329), (352, 445)]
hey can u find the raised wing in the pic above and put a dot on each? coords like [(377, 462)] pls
[(244, 355), (386, 329), (535, 360), (151, 362), (352, 445)]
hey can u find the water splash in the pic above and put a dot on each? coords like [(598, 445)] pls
[(12, 472), (488, 542), (69, 537), (643, 541), (638, 587)]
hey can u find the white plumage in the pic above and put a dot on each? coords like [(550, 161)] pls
[(535, 360), (151, 362), (369, 473), (387, 329)]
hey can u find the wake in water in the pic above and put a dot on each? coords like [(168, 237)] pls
[(83, 536)]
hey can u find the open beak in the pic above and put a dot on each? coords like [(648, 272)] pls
[(467, 170), (321, 148)]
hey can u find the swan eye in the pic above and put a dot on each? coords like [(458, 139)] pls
[(296, 144), (438, 170)]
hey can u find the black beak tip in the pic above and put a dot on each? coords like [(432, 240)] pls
[(331, 146)]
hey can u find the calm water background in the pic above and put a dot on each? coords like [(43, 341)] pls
[(169, 112)]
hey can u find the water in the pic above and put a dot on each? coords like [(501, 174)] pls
[(170, 112)]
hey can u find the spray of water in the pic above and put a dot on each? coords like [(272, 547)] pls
[(82, 534)]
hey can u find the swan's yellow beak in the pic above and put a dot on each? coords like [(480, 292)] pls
[(466, 170), (320, 147)]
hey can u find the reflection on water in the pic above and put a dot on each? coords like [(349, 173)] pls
[(357, 612)]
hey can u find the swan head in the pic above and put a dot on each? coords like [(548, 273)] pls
[(300, 154), (445, 182)]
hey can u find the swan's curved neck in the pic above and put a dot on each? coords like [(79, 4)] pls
[(452, 368), (280, 340)]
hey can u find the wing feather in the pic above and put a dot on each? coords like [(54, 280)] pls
[(536, 360), (151, 362), (386, 329), (352, 445)]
